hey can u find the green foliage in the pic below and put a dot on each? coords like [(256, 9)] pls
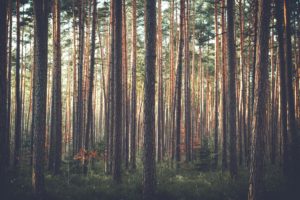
[(182, 184)]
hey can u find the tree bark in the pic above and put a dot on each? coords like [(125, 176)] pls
[(133, 91), (149, 179), (117, 157), (224, 91), (56, 110), (179, 83), (231, 88), (40, 94), (88, 132), (4, 142), (259, 119), (216, 139), (18, 101)]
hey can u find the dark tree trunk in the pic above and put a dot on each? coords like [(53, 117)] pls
[(117, 156), (4, 142), (149, 182), (216, 135), (18, 101), (187, 90), (231, 88), (111, 87), (179, 83), (88, 131), (40, 94), (133, 92), (10, 10), (56, 110), (260, 106), (79, 128), (224, 82), (283, 92), (294, 132)]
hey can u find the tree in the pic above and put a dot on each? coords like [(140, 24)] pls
[(224, 91), (295, 137), (179, 82), (40, 91), (56, 110), (231, 88), (149, 181), (283, 101), (260, 106), (160, 107), (4, 142), (79, 128), (216, 149), (88, 132), (117, 90), (18, 105), (187, 90), (133, 91)]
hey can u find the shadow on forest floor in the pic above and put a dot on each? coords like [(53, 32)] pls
[(183, 184)]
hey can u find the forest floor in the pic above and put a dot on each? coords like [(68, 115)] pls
[(187, 183)]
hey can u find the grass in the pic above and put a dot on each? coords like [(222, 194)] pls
[(183, 184)]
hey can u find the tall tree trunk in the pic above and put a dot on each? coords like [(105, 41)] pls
[(224, 90), (111, 88), (18, 101), (117, 91), (88, 132), (216, 148), (133, 92), (231, 88), (179, 83), (56, 107), (260, 105), (74, 111), (187, 87), (172, 77), (80, 118), (125, 107), (243, 89), (149, 179), (4, 142), (292, 125), (40, 94), (283, 100)]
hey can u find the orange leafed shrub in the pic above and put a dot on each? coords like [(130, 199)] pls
[(85, 155)]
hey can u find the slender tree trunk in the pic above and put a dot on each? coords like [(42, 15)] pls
[(224, 90), (10, 10), (117, 91), (74, 111), (80, 118), (88, 132), (216, 139), (18, 101), (125, 107), (292, 126), (231, 88), (187, 87), (179, 83), (283, 100), (4, 134), (149, 180), (243, 90), (133, 91), (259, 119), (56, 107), (40, 94)]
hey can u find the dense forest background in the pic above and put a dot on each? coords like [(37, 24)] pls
[(153, 99)]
